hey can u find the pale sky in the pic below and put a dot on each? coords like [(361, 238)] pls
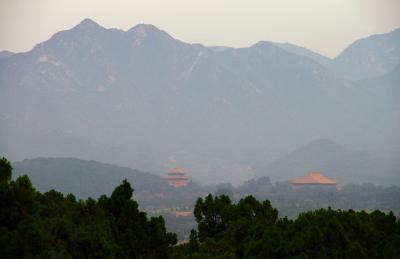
[(325, 26)]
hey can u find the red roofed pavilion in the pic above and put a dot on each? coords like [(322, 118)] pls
[(177, 177), (313, 179)]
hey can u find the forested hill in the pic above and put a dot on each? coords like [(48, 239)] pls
[(84, 178), (51, 225)]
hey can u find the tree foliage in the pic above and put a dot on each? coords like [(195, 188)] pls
[(251, 229), (55, 225), (52, 225)]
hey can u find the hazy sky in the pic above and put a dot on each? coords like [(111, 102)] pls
[(325, 26)]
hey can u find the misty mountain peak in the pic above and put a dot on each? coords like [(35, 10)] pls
[(138, 85), (396, 32), (324, 144), (301, 51), (369, 57), (143, 30), (264, 44), (88, 24), (5, 54)]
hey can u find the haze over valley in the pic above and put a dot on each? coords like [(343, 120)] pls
[(199, 129), (143, 99)]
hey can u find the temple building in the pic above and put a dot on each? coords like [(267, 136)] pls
[(177, 177), (184, 213), (313, 179)]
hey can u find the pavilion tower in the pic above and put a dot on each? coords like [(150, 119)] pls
[(177, 177)]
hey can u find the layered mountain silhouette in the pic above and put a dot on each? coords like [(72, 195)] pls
[(373, 56), (85, 178), (338, 162), (325, 61), (219, 111)]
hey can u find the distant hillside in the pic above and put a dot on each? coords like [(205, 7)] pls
[(5, 54), (373, 56), (338, 162), (24, 143), (84, 178), (325, 61), (385, 91), (143, 99)]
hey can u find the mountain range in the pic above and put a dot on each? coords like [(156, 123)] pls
[(144, 99), (85, 178), (337, 162)]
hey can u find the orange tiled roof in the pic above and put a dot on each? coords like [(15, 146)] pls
[(183, 213), (177, 177), (314, 178), (178, 170)]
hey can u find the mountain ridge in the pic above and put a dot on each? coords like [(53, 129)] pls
[(336, 161), (176, 101), (84, 178), (369, 57)]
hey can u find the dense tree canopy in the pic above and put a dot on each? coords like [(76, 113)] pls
[(54, 225), (251, 229), (51, 225)]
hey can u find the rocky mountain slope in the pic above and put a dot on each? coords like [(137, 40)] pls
[(129, 95)]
